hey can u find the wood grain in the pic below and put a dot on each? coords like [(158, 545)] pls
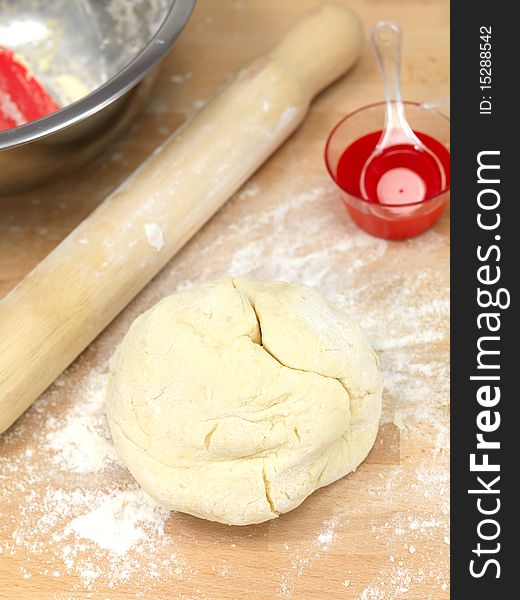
[(388, 522)]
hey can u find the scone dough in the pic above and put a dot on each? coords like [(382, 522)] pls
[(235, 400)]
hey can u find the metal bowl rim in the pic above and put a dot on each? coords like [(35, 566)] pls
[(118, 85)]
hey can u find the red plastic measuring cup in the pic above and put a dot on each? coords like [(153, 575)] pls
[(404, 211)]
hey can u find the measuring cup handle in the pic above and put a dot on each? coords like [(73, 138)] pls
[(386, 41)]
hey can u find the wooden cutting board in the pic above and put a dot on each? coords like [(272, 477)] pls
[(380, 533)]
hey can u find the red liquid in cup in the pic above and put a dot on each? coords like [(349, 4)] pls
[(411, 214)]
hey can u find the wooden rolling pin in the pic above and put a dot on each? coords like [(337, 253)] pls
[(74, 293)]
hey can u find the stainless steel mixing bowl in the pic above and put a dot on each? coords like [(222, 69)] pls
[(97, 57)]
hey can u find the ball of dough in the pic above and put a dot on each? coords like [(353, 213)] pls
[(234, 401)]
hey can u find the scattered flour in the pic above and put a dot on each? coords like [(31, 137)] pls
[(80, 440), (102, 531), (117, 523), (326, 537), (181, 77), (154, 235), (9, 108)]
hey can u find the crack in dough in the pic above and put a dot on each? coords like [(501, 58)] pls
[(267, 488), (207, 439), (282, 364)]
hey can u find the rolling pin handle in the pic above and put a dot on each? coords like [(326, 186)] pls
[(321, 46)]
